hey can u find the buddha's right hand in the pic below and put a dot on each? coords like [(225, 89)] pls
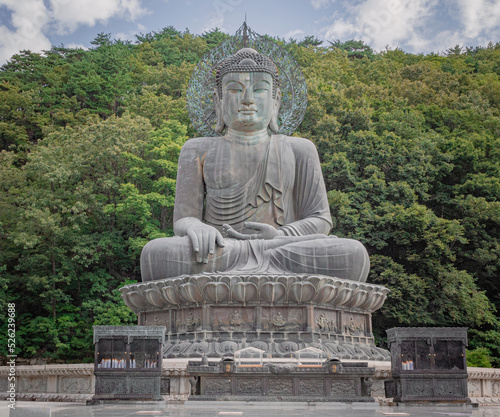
[(204, 237)]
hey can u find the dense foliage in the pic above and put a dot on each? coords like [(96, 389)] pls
[(89, 145)]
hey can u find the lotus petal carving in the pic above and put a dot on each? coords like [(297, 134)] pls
[(200, 280), (153, 295), (358, 297), (216, 292), (171, 295), (301, 292), (244, 292), (230, 280), (378, 299), (258, 280), (318, 282), (137, 299), (287, 280), (272, 292), (343, 295), (191, 293), (268, 289), (325, 293)]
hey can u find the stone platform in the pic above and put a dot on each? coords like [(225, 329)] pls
[(218, 314)]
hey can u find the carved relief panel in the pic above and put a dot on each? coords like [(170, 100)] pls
[(112, 385), (142, 385), (33, 384), (248, 386), (354, 324), (188, 320), (217, 386), (309, 386), (232, 319), (343, 388), (283, 319), (282, 386), (325, 321), (80, 385)]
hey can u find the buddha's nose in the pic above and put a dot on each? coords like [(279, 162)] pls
[(247, 97)]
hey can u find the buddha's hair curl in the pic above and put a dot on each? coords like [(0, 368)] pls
[(246, 60)]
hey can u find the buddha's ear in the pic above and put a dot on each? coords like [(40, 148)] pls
[(273, 124), (219, 127)]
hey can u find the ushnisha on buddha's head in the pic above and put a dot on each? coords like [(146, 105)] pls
[(247, 97)]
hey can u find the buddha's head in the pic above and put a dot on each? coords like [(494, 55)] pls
[(247, 97)]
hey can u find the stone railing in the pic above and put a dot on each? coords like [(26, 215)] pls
[(50, 382), (76, 382), (484, 385)]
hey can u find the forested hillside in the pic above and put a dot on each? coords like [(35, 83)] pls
[(89, 143)]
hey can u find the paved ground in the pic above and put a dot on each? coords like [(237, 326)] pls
[(220, 409)]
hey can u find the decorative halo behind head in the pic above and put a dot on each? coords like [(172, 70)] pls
[(270, 56)]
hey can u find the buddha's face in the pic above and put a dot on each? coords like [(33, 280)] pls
[(247, 100)]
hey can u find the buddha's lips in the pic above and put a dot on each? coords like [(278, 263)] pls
[(247, 111)]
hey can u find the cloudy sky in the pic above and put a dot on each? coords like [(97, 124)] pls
[(417, 26)]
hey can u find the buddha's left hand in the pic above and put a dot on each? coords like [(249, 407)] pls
[(264, 231)]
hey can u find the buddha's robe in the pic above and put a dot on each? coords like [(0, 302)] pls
[(283, 187)]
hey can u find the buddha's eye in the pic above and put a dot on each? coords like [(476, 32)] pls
[(234, 88), (260, 88)]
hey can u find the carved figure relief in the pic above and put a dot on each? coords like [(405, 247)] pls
[(279, 322), (227, 320), (159, 322), (191, 323), (354, 327), (236, 320), (325, 324)]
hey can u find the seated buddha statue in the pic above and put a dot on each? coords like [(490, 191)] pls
[(251, 201)]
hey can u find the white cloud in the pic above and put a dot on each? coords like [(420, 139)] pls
[(418, 25), (319, 4), (478, 17), (68, 15), (29, 19), (341, 29), (380, 23), (294, 33), (32, 19)]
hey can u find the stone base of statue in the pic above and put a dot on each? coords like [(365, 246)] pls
[(217, 314)]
